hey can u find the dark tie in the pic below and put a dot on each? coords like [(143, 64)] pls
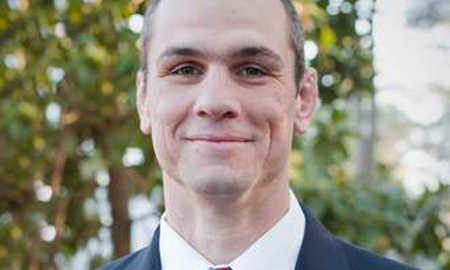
[(221, 268)]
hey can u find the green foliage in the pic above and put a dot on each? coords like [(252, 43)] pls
[(97, 58)]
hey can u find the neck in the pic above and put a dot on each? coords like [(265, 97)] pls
[(222, 228)]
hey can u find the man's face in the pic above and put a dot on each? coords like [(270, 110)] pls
[(220, 97)]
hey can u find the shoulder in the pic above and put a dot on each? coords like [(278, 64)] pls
[(144, 259), (136, 260), (359, 258)]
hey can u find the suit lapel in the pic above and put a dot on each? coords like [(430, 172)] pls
[(154, 257), (319, 249)]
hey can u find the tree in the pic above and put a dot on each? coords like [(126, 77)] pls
[(68, 104)]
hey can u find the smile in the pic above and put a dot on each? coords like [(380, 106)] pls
[(218, 139)]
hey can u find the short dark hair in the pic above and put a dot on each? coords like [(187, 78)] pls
[(297, 39)]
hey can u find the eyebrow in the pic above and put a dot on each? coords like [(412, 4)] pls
[(181, 51), (243, 52), (259, 51)]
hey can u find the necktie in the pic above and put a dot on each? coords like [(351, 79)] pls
[(221, 268)]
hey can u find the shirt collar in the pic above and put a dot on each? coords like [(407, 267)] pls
[(278, 248)]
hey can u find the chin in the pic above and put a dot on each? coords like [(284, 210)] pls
[(218, 181)]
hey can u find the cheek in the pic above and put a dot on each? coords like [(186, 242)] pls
[(169, 106), (273, 115), (273, 112), (281, 126), (168, 112)]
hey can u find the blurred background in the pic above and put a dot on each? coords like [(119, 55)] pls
[(79, 184)]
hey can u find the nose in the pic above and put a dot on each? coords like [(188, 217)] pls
[(217, 98)]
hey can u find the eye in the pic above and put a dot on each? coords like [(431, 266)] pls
[(186, 71), (252, 72)]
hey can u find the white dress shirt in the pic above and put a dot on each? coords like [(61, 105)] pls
[(278, 248)]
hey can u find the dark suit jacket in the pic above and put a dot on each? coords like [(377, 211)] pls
[(320, 251)]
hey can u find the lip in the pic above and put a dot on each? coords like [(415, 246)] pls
[(218, 139)]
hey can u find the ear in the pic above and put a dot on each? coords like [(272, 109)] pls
[(142, 103), (306, 101)]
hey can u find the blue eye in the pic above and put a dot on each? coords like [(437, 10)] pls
[(186, 71), (252, 72)]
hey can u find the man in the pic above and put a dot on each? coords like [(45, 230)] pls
[(222, 91)]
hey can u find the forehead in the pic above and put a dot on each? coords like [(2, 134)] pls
[(220, 25)]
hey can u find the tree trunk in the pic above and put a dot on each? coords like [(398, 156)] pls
[(365, 161), (119, 193)]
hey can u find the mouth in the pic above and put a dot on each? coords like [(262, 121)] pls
[(219, 146), (218, 139)]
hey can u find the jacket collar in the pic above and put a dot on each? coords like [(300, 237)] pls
[(319, 249), (154, 255)]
